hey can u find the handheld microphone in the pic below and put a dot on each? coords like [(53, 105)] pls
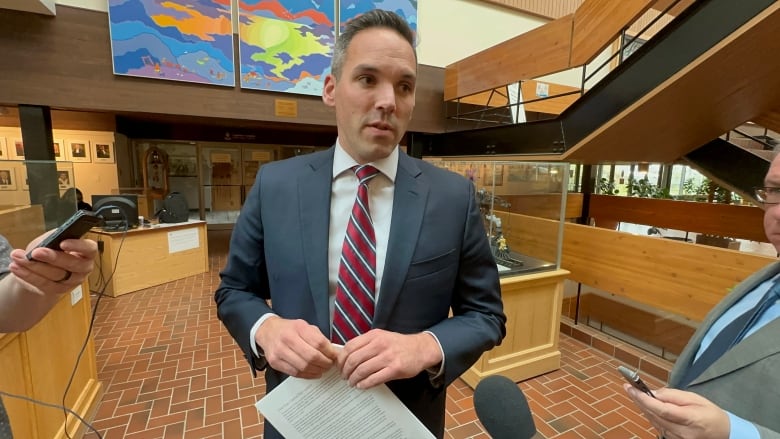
[(502, 408)]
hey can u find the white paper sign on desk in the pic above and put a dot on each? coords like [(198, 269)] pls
[(185, 239), (328, 408)]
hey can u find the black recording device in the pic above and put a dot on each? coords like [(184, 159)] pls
[(633, 379), (74, 228)]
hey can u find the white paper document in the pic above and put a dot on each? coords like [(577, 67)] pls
[(328, 408)]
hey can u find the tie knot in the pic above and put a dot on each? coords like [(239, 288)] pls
[(365, 173)]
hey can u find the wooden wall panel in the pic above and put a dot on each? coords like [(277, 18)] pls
[(558, 8), (67, 120), (660, 5), (542, 8), (683, 278), (538, 52), (598, 22), (545, 205), (554, 105), (645, 20), (743, 222), (65, 62), (770, 119)]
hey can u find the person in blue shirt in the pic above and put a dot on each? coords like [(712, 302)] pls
[(726, 382)]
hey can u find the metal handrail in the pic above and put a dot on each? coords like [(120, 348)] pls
[(767, 145), (628, 43), (585, 78)]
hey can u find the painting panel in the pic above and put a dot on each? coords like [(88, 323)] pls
[(407, 9), (103, 152), (285, 45), (7, 179), (174, 40), (78, 151), (3, 149)]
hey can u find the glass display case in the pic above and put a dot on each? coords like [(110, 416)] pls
[(523, 208)]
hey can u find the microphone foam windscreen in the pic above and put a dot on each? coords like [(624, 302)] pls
[(502, 408)]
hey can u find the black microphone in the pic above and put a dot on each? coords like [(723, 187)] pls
[(502, 408)]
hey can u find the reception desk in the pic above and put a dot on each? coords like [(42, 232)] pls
[(532, 304), (148, 256), (38, 363)]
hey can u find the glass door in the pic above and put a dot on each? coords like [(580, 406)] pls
[(221, 182), (254, 157)]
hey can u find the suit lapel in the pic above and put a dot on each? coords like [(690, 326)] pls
[(761, 344), (314, 212), (409, 199), (685, 360)]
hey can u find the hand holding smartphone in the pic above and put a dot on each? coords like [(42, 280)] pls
[(74, 228), (633, 379)]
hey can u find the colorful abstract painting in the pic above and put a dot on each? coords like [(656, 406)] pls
[(285, 45), (350, 9), (178, 40)]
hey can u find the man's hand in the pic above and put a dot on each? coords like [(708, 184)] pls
[(682, 415), (379, 356), (295, 347), (54, 272)]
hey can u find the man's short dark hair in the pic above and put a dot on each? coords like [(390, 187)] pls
[(371, 19)]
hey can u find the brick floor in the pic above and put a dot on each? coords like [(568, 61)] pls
[(170, 370)]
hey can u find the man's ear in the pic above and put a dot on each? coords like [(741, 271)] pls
[(329, 91)]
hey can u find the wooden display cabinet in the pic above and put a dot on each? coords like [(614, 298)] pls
[(507, 192), (38, 363), (532, 304)]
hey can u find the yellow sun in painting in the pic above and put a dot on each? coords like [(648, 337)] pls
[(272, 33)]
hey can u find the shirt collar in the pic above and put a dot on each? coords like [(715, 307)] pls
[(342, 161)]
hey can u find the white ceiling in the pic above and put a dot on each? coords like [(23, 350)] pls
[(45, 7)]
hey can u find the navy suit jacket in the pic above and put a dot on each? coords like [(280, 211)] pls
[(438, 259)]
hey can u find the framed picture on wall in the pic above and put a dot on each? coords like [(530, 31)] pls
[(3, 149), (22, 174), (59, 149), (183, 166), (64, 179), (7, 179), (103, 152), (16, 149), (78, 151)]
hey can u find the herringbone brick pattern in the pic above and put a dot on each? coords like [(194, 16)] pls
[(170, 370)]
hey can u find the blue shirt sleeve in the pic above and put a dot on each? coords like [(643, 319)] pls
[(742, 429)]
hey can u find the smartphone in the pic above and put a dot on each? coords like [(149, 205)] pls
[(633, 379), (74, 228)]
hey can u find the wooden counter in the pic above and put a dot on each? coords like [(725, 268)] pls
[(149, 256), (532, 303), (38, 363)]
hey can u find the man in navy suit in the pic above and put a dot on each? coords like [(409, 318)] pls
[(278, 289)]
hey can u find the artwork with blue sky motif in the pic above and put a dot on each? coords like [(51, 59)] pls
[(190, 40)]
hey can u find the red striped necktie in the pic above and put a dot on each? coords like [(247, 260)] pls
[(354, 310)]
